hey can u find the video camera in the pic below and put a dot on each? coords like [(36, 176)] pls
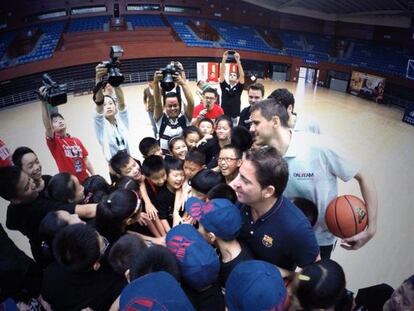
[(56, 94), (167, 82), (115, 77)]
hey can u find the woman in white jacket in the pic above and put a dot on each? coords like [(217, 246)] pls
[(111, 118)]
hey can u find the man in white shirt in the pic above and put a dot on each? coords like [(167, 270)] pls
[(313, 170)]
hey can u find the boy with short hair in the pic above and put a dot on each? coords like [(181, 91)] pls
[(154, 171), (194, 162), (206, 127), (204, 181), (27, 209), (154, 259), (79, 278), (125, 165), (166, 197), (153, 168), (222, 191), (124, 252), (219, 224), (149, 146)]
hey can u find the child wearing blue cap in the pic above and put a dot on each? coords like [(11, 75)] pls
[(155, 291), (219, 224), (199, 267), (255, 285)]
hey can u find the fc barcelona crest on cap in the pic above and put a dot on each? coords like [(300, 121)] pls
[(267, 241)]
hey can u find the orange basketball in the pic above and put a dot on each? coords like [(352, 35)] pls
[(346, 216)]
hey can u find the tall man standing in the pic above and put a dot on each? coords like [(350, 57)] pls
[(314, 166), (231, 92)]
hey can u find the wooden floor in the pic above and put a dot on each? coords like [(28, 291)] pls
[(373, 132)]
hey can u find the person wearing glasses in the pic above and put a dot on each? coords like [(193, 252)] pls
[(172, 117), (229, 162), (208, 108)]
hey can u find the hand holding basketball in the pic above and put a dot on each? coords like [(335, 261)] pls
[(357, 241), (346, 216)]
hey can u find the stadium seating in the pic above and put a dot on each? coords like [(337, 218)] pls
[(186, 34), (305, 45), (310, 46), (94, 23), (145, 20), (240, 37), (43, 49), (367, 54)]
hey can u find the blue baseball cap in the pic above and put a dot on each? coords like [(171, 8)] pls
[(219, 216), (198, 261), (157, 291), (194, 207), (255, 285)]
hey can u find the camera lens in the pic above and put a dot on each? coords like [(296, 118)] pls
[(115, 77), (167, 83)]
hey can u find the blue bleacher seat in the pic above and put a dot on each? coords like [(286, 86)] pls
[(141, 20), (94, 23)]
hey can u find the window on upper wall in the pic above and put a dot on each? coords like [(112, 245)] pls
[(88, 9), (46, 15), (54, 14), (181, 9), (143, 7)]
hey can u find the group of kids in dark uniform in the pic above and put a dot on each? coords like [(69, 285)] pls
[(202, 226)]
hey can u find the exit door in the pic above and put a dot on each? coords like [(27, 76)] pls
[(309, 75)]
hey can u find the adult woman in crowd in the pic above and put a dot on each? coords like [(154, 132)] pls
[(111, 118)]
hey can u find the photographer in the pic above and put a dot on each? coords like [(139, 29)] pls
[(172, 121), (68, 151), (231, 91), (111, 118)]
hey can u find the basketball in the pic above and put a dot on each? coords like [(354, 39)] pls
[(346, 216)]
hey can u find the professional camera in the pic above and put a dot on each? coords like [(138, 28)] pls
[(115, 77), (167, 82), (230, 56), (56, 94)]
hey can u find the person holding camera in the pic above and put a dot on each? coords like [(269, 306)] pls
[(171, 121), (69, 152), (231, 91), (111, 118)]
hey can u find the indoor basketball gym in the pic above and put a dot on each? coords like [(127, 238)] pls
[(321, 80)]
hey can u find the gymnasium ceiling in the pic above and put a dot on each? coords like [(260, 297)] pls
[(341, 7)]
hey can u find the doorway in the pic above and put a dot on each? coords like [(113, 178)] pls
[(309, 75)]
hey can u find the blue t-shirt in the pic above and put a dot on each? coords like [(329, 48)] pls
[(283, 236)]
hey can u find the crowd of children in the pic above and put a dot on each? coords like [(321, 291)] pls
[(191, 228)]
